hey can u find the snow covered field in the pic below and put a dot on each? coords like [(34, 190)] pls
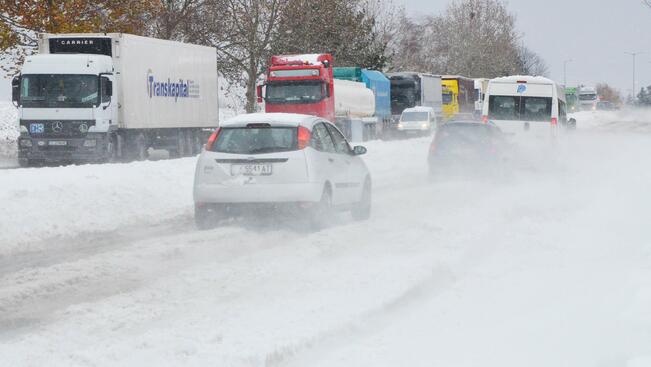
[(548, 265)]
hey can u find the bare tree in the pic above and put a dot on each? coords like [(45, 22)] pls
[(531, 63), (242, 31), (475, 38), (353, 31)]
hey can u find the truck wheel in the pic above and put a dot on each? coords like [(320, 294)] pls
[(138, 149), (180, 150), (189, 143), (112, 149), (362, 210)]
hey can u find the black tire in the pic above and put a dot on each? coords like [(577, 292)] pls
[(181, 145), (206, 217), (362, 210), (137, 148), (322, 213), (112, 149)]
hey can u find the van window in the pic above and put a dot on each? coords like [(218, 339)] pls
[(246, 140), (520, 108), (414, 116), (536, 108), (504, 107)]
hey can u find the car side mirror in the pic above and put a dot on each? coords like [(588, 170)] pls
[(359, 150), (571, 123), (109, 88), (15, 89)]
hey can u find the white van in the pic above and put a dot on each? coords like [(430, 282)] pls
[(525, 103), (417, 119)]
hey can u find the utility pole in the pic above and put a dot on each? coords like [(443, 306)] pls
[(634, 54), (565, 71)]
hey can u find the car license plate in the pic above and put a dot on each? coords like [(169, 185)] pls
[(58, 143), (254, 169), (36, 128)]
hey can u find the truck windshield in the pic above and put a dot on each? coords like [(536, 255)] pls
[(588, 97), (246, 140), (295, 92), (447, 98), (59, 91), (520, 108), (414, 116)]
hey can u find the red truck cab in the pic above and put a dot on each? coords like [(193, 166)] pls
[(300, 84)]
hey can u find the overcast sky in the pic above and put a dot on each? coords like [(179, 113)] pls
[(594, 34), (595, 37)]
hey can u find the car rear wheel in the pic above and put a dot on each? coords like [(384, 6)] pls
[(362, 210), (206, 216), (322, 212)]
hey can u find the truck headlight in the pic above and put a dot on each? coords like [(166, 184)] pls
[(90, 143), (25, 143)]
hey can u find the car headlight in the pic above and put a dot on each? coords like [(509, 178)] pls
[(25, 143), (89, 143)]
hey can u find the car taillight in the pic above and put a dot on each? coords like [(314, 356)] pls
[(484, 119), (304, 136), (213, 138), (554, 121)]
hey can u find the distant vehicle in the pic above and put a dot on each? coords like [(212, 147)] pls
[(572, 99), (411, 89), (606, 106), (417, 120), (289, 162), (481, 86), (458, 96), (111, 96), (588, 99), (526, 103), (381, 87), (465, 146), (305, 84)]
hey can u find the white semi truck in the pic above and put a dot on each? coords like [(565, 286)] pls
[(105, 97)]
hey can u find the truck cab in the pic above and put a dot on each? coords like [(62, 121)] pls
[(66, 107), (300, 84)]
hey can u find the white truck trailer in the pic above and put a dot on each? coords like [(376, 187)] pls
[(104, 97)]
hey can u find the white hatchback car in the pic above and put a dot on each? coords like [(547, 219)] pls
[(274, 160)]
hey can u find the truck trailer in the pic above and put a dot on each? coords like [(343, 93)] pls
[(458, 96), (111, 96), (381, 88), (305, 84)]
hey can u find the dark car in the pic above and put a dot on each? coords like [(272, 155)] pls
[(466, 146), (606, 106)]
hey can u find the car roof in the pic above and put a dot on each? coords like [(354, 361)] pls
[(279, 119)]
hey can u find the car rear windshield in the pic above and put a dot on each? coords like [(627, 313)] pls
[(256, 140), (414, 116), (520, 108)]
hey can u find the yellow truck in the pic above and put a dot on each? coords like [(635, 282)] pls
[(458, 96)]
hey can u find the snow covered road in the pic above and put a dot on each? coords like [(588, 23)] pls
[(548, 265)]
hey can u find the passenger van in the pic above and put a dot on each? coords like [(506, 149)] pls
[(525, 103), (417, 120)]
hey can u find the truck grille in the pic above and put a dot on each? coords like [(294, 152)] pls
[(57, 128)]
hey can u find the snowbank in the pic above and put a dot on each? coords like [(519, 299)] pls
[(627, 120), (39, 203), (8, 130)]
